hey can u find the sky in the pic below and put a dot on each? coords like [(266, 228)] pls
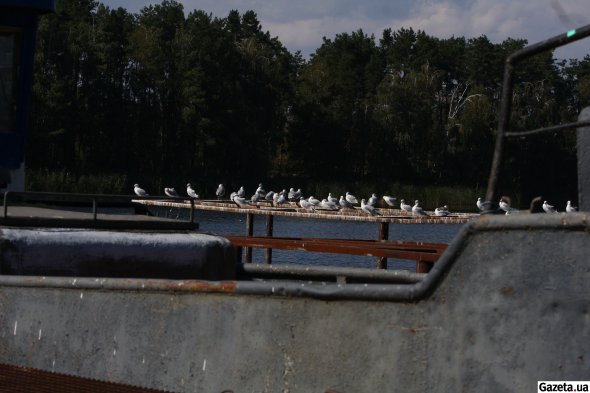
[(301, 24)]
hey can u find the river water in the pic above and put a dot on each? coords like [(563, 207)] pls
[(220, 223)]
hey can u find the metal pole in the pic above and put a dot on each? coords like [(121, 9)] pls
[(249, 232), (5, 204), (506, 104), (94, 210), (269, 228), (383, 235)]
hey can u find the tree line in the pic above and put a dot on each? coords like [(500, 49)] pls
[(161, 97)]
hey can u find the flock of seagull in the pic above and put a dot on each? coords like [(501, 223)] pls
[(312, 204), (547, 208), (347, 201)]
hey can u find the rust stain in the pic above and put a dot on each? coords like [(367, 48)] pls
[(507, 290), (200, 286)]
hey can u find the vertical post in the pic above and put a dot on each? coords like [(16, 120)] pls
[(249, 232), (583, 152), (269, 228), (94, 212), (383, 235), (423, 266)]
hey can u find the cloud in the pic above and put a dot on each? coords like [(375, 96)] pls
[(300, 25)]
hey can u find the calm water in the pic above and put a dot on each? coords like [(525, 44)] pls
[(220, 223)]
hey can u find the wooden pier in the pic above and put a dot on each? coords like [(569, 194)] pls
[(293, 210), (423, 253)]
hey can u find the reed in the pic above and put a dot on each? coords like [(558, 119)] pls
[(45, 180)]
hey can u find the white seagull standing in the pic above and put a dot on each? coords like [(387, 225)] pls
[(344, 203), (255, 198), (569, 208), (260, 191), (270, 195), (417, 210), (368, 209), (220, 192), (389, 200), (241, 192), (442, 211), (351, 198), (505, 206), (549, 208), (328, 205), (191, 192), (280, 198), (479, 204), (305, 204), (240, 201), (331, 198), (139, 191), (313, 201), (372, 200), (171, 192), (405, 206)]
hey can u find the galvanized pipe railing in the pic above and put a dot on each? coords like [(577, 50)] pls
[(92, 200)]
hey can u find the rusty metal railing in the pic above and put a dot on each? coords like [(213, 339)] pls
[(423, 253), (506, 105)]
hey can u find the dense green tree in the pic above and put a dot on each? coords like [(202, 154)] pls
[(162, 98)]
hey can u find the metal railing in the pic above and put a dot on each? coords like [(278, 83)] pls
[(506, 105), (14, 201)]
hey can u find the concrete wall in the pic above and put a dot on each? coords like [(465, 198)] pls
[(512, 308)]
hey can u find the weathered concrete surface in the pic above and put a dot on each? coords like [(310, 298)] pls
[(511, 309)]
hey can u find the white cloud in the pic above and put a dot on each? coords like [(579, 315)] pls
[(300, 25)]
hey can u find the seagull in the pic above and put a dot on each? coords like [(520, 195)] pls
[(139, 191), (260, 190), (280, 198), (171, 192), (505, 206), (549, 208), (297, 194), (417, 210), (328, 205), (255, 198), (331, 198), (270, 195), (344, 203), (389, 200), (305, 204), (291, 194), (372, 200), (191, 192), (369, 208), (220, 191), (313, 201), (240, 201), (442, 211), (241, 192), (351, 198), (569, 208), (479, 204), (405, 206)]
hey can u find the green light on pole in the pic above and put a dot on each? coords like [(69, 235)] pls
[(571, 33)]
